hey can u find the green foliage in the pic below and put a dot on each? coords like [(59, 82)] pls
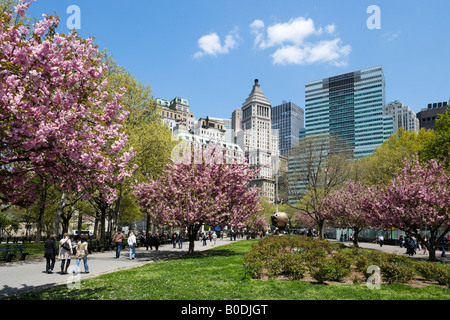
[(392, 272), (438, 146), (292, 256), (387, 159), (434, 272), (330, 269)]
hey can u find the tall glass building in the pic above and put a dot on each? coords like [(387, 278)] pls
[(349, 106), (288, 118)]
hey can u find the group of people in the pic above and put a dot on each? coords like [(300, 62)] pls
[(65, 252), (149, 240), (212, 236), (412, 245)]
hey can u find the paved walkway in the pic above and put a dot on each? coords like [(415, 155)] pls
[(20, 276), (400, 251)]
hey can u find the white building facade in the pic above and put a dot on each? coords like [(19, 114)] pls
[(403, 116)]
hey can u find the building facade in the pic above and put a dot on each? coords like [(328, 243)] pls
[(175, 111), (253, 133), (349, 106), (288, 118), (428, 116), (403, 116)]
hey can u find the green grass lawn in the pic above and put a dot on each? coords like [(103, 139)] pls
[(218, 274)]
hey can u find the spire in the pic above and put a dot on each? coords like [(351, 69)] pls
[(257, 94)]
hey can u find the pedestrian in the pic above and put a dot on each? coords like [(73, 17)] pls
[(425, 244), (443, 243), (214, 236), (118, 240), (413, 245), (65, 252), (149, 241), (180, 240), (50, 253), (174, 239), (132, 245), (204, 239), (381, 240), (156, 241), (83, 250), (410, 246), (402, 242)]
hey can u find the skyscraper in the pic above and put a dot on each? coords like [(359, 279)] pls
[(349, 106), (254, 134), (288, 118)]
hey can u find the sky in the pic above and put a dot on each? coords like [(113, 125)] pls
[(210, 51)]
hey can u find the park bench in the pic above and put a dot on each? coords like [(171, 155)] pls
[(9, 251)]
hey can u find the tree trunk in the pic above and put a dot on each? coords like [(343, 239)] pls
[(355, 236), (80, 223), (59, 213), (320, 225), (103, 209), (192, 232), (41, 212)]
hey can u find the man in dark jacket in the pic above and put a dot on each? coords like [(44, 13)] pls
[(50, 253)]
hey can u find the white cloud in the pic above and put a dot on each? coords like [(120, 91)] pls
[(293, 45), (295, 32), (330, 29), (211, 45), (391, 36), (326, 51)]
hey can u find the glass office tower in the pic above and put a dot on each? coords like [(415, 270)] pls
[(351, 107), (288, 118)]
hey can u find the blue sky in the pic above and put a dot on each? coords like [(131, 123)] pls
[(210, 51)]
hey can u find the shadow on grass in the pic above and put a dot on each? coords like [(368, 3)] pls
[(211, 253)]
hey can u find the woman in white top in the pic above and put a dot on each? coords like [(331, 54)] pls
[(132, 245), (65, 252)]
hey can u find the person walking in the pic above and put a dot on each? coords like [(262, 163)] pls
[(180, 240), (214, 236), (174, 239), (65, 252), (204, 238), (156, 241), (425, 244), (381, 240), (402, 242), (50, 253), (443, 243), (149, 241), (132, 245), (118, 240), (83, 250)]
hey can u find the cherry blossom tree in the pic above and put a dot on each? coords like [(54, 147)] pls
[(194, 193), (417, 200), (343, 208), (56, 119)]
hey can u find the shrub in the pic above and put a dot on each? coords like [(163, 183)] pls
[(393, 272), (329, 269), (434, 272), (293, 266)]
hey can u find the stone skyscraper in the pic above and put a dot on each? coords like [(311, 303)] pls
[(254, 134)]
